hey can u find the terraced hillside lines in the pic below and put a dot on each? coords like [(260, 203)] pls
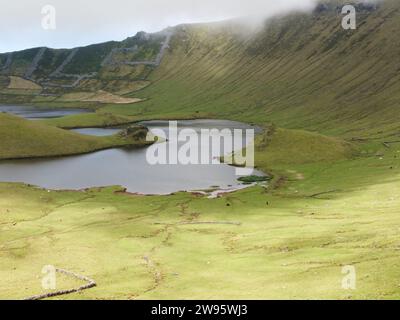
[(59, 70), (109, 59), (5, 68), (155, 63), (80, 78), (160, 55), (58, 73), (76, 78), (164, 47), (35, 62)]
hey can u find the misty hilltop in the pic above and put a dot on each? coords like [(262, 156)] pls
[(301, 70)]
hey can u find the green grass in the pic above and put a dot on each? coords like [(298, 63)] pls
[(29, 139), (251, 179), (292, 241), (285, 146), (317, 90), (290, 244), (89, 120), (288, 74)]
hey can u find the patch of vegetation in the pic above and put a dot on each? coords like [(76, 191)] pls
[(21, 60), (50, 61), (252, 179), (31, 139), (287, 146), (88, 59), (4, 81), (136, 132)]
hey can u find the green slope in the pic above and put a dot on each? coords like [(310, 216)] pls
[(29, 139), (300, 71), (60, 67), (285, 146), (325, 209)]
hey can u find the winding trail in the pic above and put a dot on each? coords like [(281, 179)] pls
[(90, 284)]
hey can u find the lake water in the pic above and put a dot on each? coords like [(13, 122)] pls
[(37, 113), (127, 167), (100, 132)]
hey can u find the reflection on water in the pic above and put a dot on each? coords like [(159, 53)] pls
[(125, 167)]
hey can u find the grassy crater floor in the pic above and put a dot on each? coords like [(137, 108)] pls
[(286, 242)]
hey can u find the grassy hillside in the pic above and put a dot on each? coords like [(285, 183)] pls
[(104, 64), (332, 96), (27, 139), (300, 71), (283, 146)]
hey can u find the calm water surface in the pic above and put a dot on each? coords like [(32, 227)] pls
[(100, 132), (38, 113), (125, 167)]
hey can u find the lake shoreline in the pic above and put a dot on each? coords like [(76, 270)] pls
[(118, 164), (117, 146)]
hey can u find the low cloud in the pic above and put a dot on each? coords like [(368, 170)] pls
[(88, 21)]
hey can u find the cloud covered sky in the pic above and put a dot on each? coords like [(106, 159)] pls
[(82, 22)]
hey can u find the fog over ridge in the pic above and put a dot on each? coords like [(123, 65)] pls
[(86, 22), (89, 21)]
